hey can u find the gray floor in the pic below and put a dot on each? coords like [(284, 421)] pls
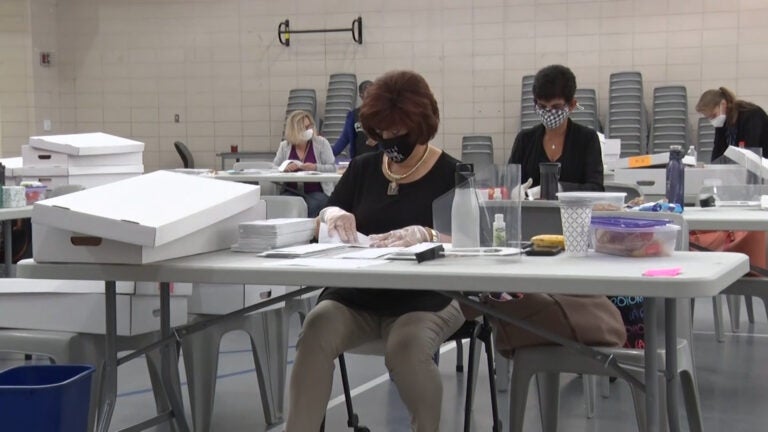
[(732, 379)]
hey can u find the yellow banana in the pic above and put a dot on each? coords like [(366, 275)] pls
[(548, 240)]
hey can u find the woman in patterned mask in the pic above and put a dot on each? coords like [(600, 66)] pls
[(737, 122), (558, 139)]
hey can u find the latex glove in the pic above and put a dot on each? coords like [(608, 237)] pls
[(308, 167), (402, 237), (292, 167), (518, 192), (340, 222)]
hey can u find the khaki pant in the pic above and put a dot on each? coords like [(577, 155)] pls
[(410, 342)]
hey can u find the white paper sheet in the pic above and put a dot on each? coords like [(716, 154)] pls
[(370, 253), (301, 250), (329, 263), (324, 237), (287, 162)]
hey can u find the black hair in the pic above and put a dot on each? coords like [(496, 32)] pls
[(363, 86), (554, 82)]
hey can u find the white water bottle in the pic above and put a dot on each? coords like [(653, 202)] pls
[(465, 212)]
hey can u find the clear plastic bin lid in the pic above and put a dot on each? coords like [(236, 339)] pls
[(627, 223)]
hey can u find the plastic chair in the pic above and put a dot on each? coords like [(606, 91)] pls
[(67, 347), (184, 154), (472, 330), (268, 331), (65, 189), (632, 190), (547, 362)]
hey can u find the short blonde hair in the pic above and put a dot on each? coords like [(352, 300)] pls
[(294, 126)]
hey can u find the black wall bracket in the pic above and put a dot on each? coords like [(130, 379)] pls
[(284, 29)]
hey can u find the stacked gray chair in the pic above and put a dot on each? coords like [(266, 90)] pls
[(477, 150), (341, 98), (588, 115), (528, 117), (706, 140), (627, 119), (670, 119), (301, 99)]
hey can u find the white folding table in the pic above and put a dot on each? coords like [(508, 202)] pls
[(703, 275), (254, 176)]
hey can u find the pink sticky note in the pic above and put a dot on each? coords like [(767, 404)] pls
[(661, 272)]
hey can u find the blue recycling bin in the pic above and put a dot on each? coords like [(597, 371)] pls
[(45, 398)]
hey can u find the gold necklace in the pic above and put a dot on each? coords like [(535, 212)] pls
[(393, 188)]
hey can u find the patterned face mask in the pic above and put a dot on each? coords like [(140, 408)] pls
[(551, 118)]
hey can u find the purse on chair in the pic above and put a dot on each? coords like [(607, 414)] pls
[(750, 243), (591, 320)]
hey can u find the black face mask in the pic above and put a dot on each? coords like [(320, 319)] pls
[(398, 148)]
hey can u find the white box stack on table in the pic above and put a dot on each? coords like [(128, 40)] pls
[(153, 217), (78, 306), (88, 159), (263, 235), (11, 166)]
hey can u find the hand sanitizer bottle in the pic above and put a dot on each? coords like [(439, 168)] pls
[(499, 231)]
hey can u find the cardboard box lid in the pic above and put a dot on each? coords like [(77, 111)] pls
[(62, 170), (148, 210), (86, 144), (748, 159)]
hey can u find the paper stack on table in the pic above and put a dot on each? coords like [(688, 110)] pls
[(263, 235)]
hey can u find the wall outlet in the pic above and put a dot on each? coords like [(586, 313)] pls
[(47, 125)]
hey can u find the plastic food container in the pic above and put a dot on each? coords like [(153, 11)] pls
[(35, 194), (633, 237), (601, 201)]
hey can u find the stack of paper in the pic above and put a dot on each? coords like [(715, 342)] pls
[(263, 235)]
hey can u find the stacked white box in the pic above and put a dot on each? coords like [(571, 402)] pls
[(89, 159), (78, 306), (144, 219)]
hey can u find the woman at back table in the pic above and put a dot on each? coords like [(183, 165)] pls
[(308, 152), (558, 138), (736, 122)]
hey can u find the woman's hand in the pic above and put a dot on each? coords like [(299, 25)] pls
[(340, 222), (292, 167), (402, 237), (308, 167)]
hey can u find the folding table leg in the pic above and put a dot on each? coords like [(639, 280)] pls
[(673, 380), (651, 366), (108, 391), (170, 365)]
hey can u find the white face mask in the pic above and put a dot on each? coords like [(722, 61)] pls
[(307, 134), (718, 121)]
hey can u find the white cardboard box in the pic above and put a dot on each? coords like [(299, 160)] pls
[(11, 165), (84, 313), (652, 181), (86, 176), (78, 306), (149, 210), (647, 161), (38, 157), (749, 160), (50, 244), (85, 144), (220, 299)]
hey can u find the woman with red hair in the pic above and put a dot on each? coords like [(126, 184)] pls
[(387, 195)]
